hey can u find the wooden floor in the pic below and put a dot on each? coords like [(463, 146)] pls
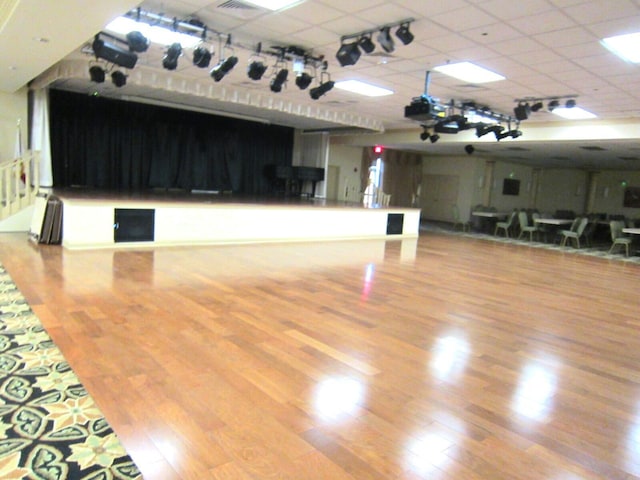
[(441, 358)]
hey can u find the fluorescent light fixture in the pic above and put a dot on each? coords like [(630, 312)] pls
[(475, 117), (626, 47), (155, 34), (469, 72), (362, 88), (272, 4), (574, 113)]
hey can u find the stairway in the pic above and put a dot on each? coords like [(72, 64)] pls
[(19, 183)]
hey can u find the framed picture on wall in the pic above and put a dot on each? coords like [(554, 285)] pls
[(632, 197)]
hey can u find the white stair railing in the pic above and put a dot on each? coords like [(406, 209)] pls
[(19, 182)]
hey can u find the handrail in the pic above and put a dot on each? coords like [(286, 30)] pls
[(19, 183)]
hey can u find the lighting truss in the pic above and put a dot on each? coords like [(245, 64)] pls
[(193, 35), (350, 45), (527, 105)]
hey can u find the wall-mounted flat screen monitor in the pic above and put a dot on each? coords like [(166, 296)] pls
[(511, 186)]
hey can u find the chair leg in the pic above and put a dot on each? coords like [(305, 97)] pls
[(564, 241)]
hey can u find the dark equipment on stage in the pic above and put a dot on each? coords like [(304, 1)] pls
[(113, 54), (294, 178)]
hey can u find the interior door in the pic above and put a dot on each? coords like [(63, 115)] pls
[(333, 179), (439, 194)]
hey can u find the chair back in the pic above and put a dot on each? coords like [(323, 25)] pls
[(511, 218), (456, 212), (616, 227), (574, 224), (582, 225), (523, 218)]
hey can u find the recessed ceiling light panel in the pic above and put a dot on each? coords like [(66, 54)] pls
[(469, 72), (362, 88), (575, 113), (626, 47), (273, 4), (155, 34)]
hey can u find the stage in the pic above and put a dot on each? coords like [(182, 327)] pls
[(98, 220)]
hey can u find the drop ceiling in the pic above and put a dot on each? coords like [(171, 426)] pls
[(544, 48)]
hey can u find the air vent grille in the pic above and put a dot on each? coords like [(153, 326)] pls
[(237, 5)]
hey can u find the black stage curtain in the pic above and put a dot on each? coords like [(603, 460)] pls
[(125, 146)]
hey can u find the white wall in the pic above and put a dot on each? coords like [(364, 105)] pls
[(562, 189), (13, 106), (348, 159), (469, 169), (610, 193)]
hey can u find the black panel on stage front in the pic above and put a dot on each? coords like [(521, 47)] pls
[(134, 225), (395, 222)]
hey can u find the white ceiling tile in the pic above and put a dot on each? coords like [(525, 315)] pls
[(450, 42), (424, 29), (385, 14), (543, 22), (490, 34), (630, 24), (597, 11), (515, 47), (509, 9), (347, 25), (569, 36), (463, 19), (352, 6), (474, 54), (310, 10)]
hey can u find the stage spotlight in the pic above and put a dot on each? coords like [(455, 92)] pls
[(570, 103), (97, 74), (201, 57), (469, 149), (510, 133), (385, 40), (170, 60), (303, 80), (434, 138), (536, 106), (424, 135), (403, 33), (482, 130), (119, 79), (137, 42), (225, 66), (348, 54), (522, 111), (278, 80), (256, 69), (366, 44), (553, 104), (320, 90)]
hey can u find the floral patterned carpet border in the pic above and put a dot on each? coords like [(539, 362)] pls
[(50, 428)]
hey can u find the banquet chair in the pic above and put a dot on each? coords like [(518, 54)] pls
[(523, 218), (385, 198), (506, 225), (574, 234), (617, 237), (465, 225)]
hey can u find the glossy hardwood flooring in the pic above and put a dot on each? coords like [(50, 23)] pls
[(440, 358)]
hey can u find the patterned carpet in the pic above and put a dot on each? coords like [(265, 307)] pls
[(600, 250), (50, 428)]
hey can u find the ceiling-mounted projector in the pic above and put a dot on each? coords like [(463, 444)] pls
[(424, 109)]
